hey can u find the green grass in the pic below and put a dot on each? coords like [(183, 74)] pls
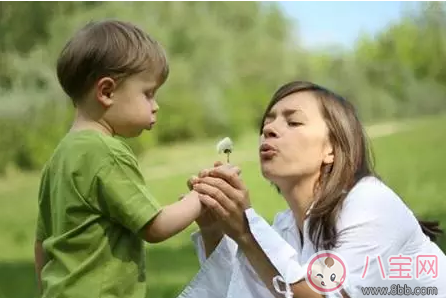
[(410, 161)]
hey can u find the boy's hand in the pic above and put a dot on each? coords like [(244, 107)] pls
[(206, 220), (173, 218)]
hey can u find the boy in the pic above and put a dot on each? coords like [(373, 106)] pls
[(94, 207)]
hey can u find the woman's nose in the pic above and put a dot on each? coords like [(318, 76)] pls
[(269, 131)]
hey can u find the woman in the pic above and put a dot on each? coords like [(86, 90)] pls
[(313, 149)]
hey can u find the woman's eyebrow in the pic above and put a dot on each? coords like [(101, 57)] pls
[(289, 112), (285, 112), (270, 114)]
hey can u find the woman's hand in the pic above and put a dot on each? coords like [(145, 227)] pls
[(207, 222), (224, 193), (210, 228)]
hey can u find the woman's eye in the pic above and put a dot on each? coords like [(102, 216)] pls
[(294, 123), (333, 277)]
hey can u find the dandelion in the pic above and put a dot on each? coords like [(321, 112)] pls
[(225, 146)]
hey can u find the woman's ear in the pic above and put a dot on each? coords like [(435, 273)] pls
[(104, 91), (328, 153)]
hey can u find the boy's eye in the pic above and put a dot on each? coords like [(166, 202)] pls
[(149, 94)]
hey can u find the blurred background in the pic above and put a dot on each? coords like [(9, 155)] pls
[(226, 60)]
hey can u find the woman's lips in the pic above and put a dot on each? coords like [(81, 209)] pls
[(267, 151)]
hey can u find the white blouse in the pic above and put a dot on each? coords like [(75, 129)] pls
[(373, 222)]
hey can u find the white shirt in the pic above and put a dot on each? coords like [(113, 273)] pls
[(373, 222)]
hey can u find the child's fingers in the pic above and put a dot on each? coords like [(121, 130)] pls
[(218, 163), (191, 181), (204, 173)]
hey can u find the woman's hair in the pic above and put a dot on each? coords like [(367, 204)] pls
[(352, 161)]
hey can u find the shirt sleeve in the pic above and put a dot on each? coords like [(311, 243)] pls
[(227, 247), (40, 229), (41, 233), (280, 253), (123, 195), (216, 272)]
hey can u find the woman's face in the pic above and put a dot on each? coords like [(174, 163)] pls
[(294, 143)]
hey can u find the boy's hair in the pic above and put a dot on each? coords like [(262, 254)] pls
[(108, 48)]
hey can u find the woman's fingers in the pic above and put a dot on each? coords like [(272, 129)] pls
[(233, 179), (216, 194), (214, 206), (233, 224), (222, 185), (230, 175)]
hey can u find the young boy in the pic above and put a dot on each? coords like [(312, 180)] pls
[(95, 210)]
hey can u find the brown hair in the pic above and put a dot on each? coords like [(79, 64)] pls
[(352, 161), (108, 48)]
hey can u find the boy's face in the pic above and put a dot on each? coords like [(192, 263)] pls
[(132, 106)]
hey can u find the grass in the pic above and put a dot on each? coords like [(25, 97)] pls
[(410, 161)]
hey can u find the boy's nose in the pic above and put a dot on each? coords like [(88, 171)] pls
[(155, 107)]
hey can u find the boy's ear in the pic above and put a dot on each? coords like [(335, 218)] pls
[(104, 91)]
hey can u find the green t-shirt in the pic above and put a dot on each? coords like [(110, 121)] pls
[(93, 202)]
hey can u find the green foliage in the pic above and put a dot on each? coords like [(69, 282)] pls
[(226, 60), (405, 61)]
